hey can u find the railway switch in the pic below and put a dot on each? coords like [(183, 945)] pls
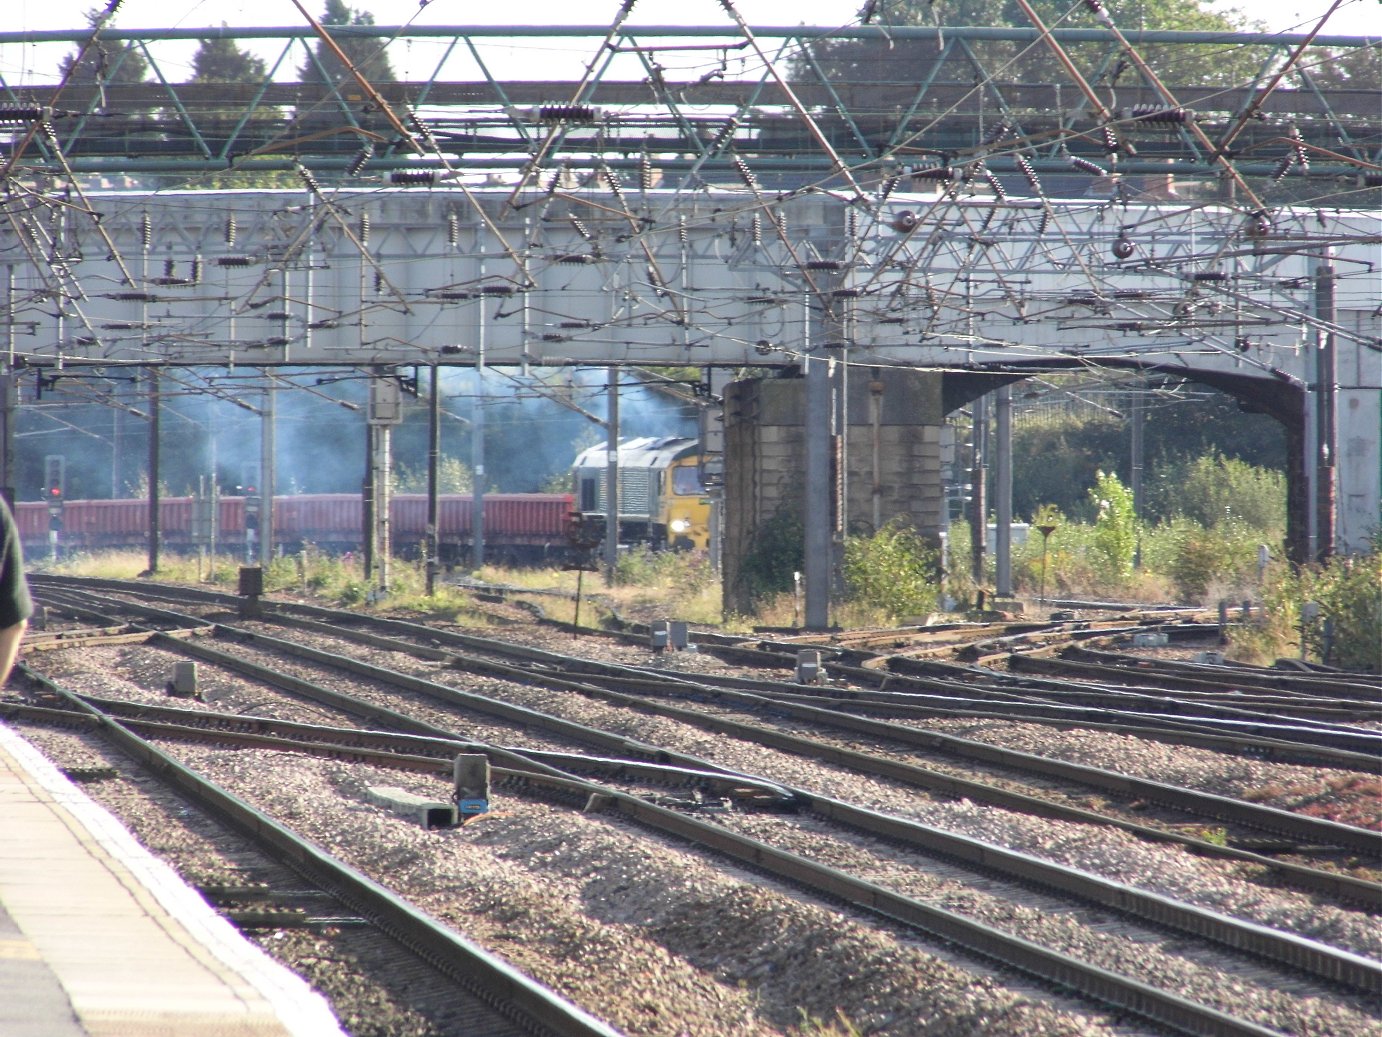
[(472, 785)]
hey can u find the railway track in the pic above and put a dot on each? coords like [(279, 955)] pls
[(438, 976), (644, 691)]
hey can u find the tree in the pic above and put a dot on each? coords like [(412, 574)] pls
[(366, 55), (221, 60), (881, 75), (333, 114), (237, 74), (101, 64)]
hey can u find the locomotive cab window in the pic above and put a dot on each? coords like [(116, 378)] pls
[(686, 481)]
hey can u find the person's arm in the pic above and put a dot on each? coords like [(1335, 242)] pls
[(9, 647)]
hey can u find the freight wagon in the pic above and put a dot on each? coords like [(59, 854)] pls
[(519, 528)]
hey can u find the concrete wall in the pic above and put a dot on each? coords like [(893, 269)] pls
[(895, 426)]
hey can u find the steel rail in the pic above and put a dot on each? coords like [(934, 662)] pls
[(508, 991), (1280, 822), (1298, 827), (414, 750), (1307, 956)]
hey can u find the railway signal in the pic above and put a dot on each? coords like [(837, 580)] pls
[(54, 481)]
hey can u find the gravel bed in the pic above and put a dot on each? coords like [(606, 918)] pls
[(354, 968), (660, 941), (1352, 797), (665, 942), (1120, 856)]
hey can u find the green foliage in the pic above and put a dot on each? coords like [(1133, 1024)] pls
[(367, 56), (894, 570), (453, 476), (1348, 590), (1055, 456), (1115, 528), (1053, 460), (104, 62), (774, 554), (1203, 562), (889, 61), (1214, 489)]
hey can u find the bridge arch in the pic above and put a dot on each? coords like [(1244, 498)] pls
[(1284, 400)]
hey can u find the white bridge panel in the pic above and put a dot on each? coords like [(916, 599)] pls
[(452, 275)]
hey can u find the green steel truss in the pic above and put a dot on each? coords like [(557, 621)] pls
[(705, 104)]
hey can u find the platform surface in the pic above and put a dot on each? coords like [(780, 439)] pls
[(98, 938)]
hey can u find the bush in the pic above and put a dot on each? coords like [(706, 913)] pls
[(1348, 590), (1199, 560), (1214, 489), (894, 570), (1114, 543), (776, 552)]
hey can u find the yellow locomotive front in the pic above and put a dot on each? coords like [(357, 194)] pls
[(662, 501), (685, 506)]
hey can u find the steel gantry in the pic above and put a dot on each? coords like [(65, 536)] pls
[(722, 196)]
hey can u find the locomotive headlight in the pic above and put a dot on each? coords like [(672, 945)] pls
[(680, 525)]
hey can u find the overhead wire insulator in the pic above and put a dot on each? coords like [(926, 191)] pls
[(146, 233), (567, 113), (1111, 144), (1154, 113), (851, 223), (581, 228), (196, 277), (683, 235), (308, 180), (616, 186), (725, 134), (422, 130), (1086, 166), (780, 218), (169, 269), (1045, 222), (996, 134), (1282, 168), (453, 229), (746, 174), (943, 174), (998, 193), (1029, 171), (362, 231), (9, 114), (647, 176), (888, 186), (1302, 157), (756, 229), (228, 231), (361, 157), (413, 177)]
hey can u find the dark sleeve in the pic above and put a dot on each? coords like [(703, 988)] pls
[(15, 604)]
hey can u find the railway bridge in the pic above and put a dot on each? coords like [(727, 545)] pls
[(944, 219)]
